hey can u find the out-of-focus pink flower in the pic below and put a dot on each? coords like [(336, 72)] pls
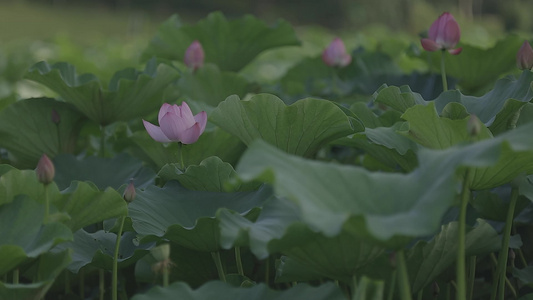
[(45, 170), (177, 124), (335, 54), (129, 193), (194, 56), (524, 57), (443, 34)]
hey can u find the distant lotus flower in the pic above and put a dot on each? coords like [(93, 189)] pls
[(443, 34), (524, 57), (194, 56), (45, 170), (177, 124), (129, 193), (335, 54)]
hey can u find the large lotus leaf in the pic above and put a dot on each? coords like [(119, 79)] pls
[(23, 234), (24, 182), (383, 206), (431, 131), (223, 291), (290, 270), (398, 98), (86, 205), (312, 76), (229, 44), (188, 217), (212, 175), (131, 93), (216, 142), (103, 172), (525, 275), (97, 249), (27, 130), (477, 67), (493, 204), (208, 84), (49, 267), (301, 128), (427, 260), (279, 228)]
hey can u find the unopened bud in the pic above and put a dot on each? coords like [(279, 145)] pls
[(45, 170), (524, 57), (473, 126), (194, 56), (56, 118), (161, 252), (512, 255), (129, 193)]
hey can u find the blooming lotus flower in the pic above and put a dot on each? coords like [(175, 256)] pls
[(443, 34), (335, 54), (45, 170), (177, 124), (194, 56), (524, 57)]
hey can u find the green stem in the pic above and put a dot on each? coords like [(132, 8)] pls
[(16, 276), (58, 139), (165, 275), (504, 251), (443, 71), (114, 282), (404, 285), (46, 204), (67, 282), (218, 264), (461, 259), (82, 283), (267, 271), (392, 285), (354, 288), (182, 163), (102, 141), (238, 260), (522, 258), (471, 276), (101, 283), (420, 294)]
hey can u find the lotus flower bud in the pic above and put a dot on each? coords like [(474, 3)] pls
[(56, 118), (443, 34), (45, 170), (473, 126), (335, 54), (129, 193), (161, 254), (524, 57), (194, 56)]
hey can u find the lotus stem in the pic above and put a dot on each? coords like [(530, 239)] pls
[(46, 204), (102, 141), (16, 276), (101, 283), (67, 282), (471, 276), (238, 261), (182, 163), (165, 275), (443, 71), (504, 251), (392, 285), (218, 264), (461, 248), (114, 284), (267, 271), (403, 276), (82, 283)]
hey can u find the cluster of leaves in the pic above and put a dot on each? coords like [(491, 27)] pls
[(290, 189)]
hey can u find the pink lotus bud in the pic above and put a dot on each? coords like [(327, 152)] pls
[(335, 54), (524, 57), (45, 170), (56, 118), (443, 34), (473, 126), (129, 193), (194, 56), (177, 124)]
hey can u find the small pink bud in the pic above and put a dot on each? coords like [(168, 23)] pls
[(45, 170), (129, 193), (443, 34), (335, 54), (56, 118), (524, 57), (473, 126), (194, 56)]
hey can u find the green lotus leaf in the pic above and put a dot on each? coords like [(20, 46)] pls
[(290, 270), (130, 94), (224, 291), (27, 130), (24, 182), (188, 217), (23, 234), (86, 205), (103, 172), (398, 98), (230, 44), (216, 142), (209, 85), (301, 128), (525, 275), (96, 249), (427, 260), (212, 175)]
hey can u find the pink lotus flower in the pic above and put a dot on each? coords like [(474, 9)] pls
[(177, 124), (45, 170), (335, 54), (443, 34), (524, 57), (129, 193), (194, 56)]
